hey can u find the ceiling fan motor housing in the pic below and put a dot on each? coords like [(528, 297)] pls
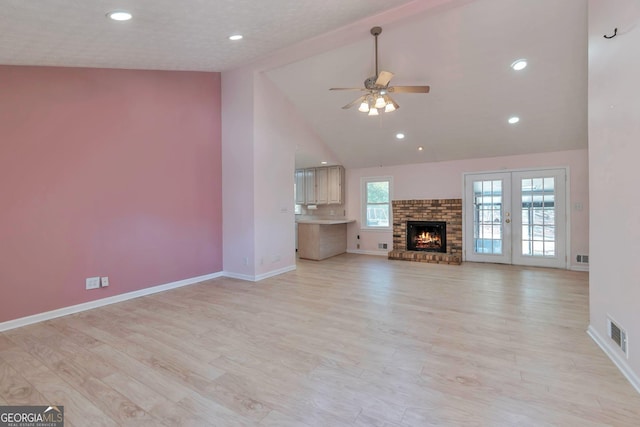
[(370, 83)]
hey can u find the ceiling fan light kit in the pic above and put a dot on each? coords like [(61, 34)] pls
[(377, 99)]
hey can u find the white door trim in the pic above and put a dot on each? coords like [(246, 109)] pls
[(568, 205)]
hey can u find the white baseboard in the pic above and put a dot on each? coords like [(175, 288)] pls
[(615, 357), (384, 253), (579, 268), (275, 272), (246, 277), (48, 315), (259, 277)]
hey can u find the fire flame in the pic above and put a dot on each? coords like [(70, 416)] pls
[(426, 239)]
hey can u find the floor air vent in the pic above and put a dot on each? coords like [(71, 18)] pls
[(618, 335)]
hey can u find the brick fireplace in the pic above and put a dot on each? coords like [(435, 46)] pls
[(448, 211)]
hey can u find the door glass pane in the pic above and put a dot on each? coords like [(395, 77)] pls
[(538, 217), (549, 249), (549, 217), (537, 184), (487, 219)]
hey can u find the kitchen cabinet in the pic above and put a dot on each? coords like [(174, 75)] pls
[(320, 186), (310, 186), (322, 181), (335, 185), (300, 187)]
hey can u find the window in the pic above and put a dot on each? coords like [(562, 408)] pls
[(376, 202)]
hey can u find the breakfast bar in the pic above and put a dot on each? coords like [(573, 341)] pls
[(319, 239)]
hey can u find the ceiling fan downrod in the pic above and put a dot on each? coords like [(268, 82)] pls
[(375, 31)]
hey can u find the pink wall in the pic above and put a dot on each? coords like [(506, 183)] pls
[(105, 172), (614, 150), (443, 180)]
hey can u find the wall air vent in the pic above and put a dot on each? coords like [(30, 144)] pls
[(584, 259), (618, 335)]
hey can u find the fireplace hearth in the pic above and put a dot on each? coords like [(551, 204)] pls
[(427, 236)]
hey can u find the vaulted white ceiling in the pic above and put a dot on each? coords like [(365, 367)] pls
[(463, 52)]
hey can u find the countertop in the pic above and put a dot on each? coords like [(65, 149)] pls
[(324, 221)]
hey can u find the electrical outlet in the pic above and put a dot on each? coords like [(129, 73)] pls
[(104, 282), (246, 260), (92, 283)]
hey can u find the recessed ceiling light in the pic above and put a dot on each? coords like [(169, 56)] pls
[(235, 37), (323, 163), (120, 15), (400, 135), (513, 120), (420, 148), (520, 64)]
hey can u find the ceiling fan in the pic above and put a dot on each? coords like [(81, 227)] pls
[(377, 98)]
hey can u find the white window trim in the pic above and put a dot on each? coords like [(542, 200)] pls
[(363, 202)]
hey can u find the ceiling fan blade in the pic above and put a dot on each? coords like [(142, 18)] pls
[(383, 78), (409, 89), (348, 88), (354, 102)]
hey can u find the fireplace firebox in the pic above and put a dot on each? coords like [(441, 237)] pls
[(427, 236)]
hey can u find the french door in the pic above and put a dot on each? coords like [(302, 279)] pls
[(516, 217)]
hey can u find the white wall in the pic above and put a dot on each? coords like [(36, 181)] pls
[(614, 152), (443, 180), (279, 132), (237, 173), (260, 135)]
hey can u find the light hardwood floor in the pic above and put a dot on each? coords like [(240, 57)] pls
[(352, 340)]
